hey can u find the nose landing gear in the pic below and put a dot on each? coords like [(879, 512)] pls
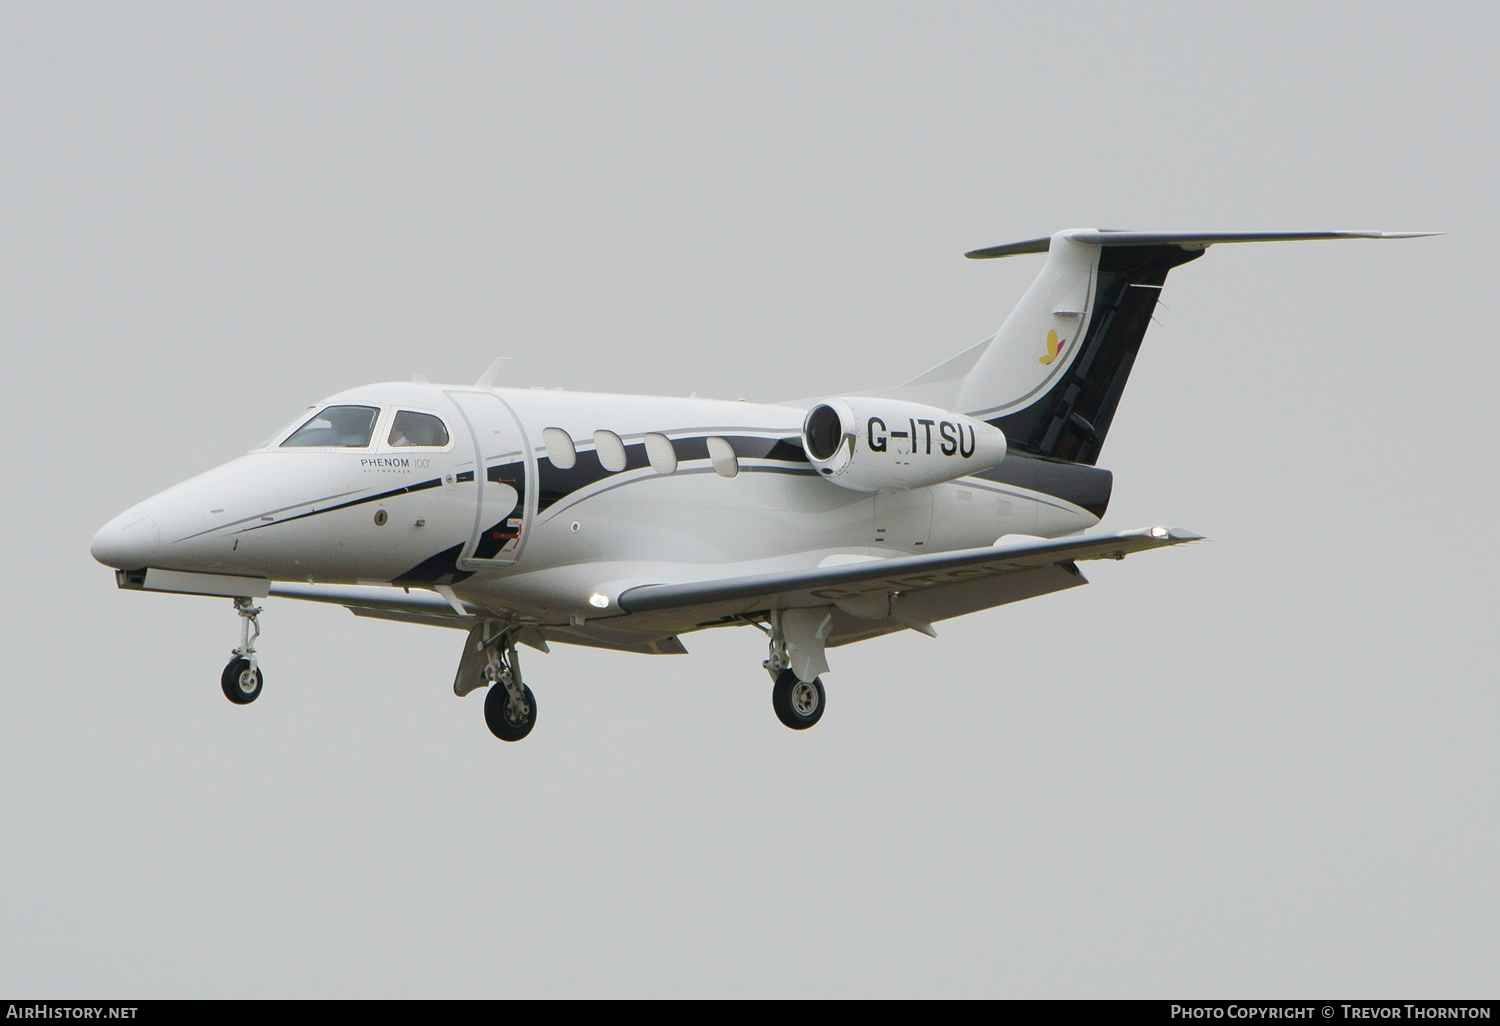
[(242, 679), (509, 706)]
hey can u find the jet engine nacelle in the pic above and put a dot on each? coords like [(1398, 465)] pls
[(871, 445)]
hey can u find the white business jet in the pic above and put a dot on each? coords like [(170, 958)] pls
[(530, 517)]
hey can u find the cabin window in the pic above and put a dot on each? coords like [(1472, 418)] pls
[(660, 453), (721, 454), (611, 451), (560, 449), (337, 427), (417, 429)]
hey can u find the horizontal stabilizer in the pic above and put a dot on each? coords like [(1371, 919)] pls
[(907, 573), (1187, 240)]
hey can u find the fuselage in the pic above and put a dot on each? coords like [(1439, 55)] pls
[(531, 516), (550, 503)]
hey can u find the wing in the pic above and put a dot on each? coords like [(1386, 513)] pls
[(871, 598), (902, 574), (885, 595), (426, 608), (421, 606)]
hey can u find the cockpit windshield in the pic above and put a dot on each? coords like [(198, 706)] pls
[(284, 429), (417, 429), (344, 427)]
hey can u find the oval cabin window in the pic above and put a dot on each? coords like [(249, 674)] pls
[(611, 451), (560, 448), (660, 453), (721, 453)]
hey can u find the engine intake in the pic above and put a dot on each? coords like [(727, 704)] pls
[(872, 445)]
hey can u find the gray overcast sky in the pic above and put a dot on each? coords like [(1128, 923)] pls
[(1265, 765)]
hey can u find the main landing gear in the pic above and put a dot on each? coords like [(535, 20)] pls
[(798, 703), (509, 706), (242, 679)]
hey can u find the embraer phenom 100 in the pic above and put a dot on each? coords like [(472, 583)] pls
[(529, 517)]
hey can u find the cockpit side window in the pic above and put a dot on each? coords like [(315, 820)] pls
[(342, 427), (417, 429)]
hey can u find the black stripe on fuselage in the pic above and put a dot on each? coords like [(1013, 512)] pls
[(495, 537), (258, 516), (1082, 485), (557, 483), (435, 482), (440, 568)]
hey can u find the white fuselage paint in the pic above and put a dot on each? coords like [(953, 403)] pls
[(344, 516)]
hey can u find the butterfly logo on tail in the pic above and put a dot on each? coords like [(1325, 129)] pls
[(1054, 346)]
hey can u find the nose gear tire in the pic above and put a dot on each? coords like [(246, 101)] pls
[(505, 721), (241, 685), (798, 704)]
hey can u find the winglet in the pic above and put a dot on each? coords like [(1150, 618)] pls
[(487, 379)]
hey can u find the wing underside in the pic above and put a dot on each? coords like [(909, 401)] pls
[(430, 610), (885, 595), (869, 598)]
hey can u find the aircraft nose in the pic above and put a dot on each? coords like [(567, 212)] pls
[(127, 542)]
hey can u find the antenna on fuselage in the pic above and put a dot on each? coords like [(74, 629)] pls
[(487, 379)]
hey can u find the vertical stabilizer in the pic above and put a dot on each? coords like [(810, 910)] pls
[(1052, 376), (1038, 341)]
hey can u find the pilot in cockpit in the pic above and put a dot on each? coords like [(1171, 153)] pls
[(417, 429), (347, 427)]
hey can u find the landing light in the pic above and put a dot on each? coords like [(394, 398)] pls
[(1159, 532), (598, 601)]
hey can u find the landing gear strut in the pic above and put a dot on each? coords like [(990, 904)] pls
[(242, 679), (798, 703), (509, 706)]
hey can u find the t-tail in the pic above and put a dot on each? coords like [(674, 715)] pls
[(1052, 376)]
